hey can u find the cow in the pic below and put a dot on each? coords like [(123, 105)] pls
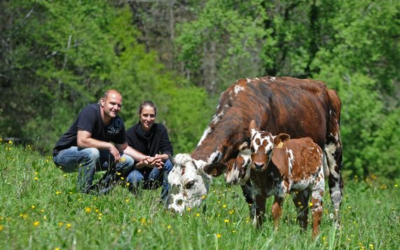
[(284, 166), (299, 107)]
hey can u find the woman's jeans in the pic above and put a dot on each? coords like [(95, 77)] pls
[(138, 179), (89, 160)]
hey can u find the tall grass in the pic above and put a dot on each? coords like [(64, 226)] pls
[(40, 209)]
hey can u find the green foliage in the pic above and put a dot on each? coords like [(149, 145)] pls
[(39, 209), (361, 62), (223, 43), (58, 56), (67, 53)]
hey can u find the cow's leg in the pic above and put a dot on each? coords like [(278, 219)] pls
[(335, 181), (277, 210), (300, 199), (248, 194), (260, 210), (317, 202), (333, 150)]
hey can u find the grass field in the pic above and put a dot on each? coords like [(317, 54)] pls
[(40, 209)]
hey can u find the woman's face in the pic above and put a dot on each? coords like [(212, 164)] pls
[(147, 117)]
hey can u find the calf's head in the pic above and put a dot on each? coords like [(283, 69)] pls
[(262, 144)]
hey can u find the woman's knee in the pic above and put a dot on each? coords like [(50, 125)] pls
[(168, 166), (134, 177)]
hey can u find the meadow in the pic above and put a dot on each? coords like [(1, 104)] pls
[(40, 209)]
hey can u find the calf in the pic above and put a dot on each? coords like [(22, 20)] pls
[(281, 166)]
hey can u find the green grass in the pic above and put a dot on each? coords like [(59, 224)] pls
[(40, 209)]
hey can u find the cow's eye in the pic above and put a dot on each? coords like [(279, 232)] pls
[(190, 184)]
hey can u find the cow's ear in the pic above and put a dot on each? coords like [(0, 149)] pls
[(244, 145), (280, 139), (215, 169), (172, 159)]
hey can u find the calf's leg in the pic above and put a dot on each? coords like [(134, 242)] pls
[(317, 203), (277, 210), (260, 210), (300, 199)]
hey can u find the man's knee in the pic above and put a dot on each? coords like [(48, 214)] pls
[(92, 154), (125, 164)]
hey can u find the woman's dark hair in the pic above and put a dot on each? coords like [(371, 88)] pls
[(147, 103)]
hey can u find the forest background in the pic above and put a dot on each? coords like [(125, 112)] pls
[(58, 56)]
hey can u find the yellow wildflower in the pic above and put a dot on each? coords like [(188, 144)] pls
[(36, 223), (218, 235)]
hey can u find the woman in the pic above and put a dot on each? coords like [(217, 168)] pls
[(149, 145)]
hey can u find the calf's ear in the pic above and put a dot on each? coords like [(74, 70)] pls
[(252, 125), (280, 139), (215, 169)]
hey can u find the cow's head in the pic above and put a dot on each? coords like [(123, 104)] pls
[(189, 183), (262, 144)]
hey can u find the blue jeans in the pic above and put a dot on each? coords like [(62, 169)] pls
[(138, 178), (89, 160)]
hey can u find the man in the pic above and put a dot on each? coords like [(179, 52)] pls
[(95, 141)]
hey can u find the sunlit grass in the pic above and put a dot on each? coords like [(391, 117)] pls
[(40, 209)]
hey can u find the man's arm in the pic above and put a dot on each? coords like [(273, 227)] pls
[(136, 155), (85, 140), (121, 147)]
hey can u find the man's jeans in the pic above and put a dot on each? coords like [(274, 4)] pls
[(137, 179), (89, 160)]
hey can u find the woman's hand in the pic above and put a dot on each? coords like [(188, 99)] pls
[(151, 162)]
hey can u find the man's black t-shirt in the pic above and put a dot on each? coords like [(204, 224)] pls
[(90, 120)]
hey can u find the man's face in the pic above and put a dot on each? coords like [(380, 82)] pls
[(111, 105)]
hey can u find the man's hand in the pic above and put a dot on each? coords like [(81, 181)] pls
[(114, 151)]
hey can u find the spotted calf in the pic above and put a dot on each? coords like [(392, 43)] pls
[(281, 166)]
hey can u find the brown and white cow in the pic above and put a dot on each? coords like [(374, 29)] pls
[(299, 107), (284, 166)]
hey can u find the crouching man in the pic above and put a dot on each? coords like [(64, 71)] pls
[(95, 142)]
